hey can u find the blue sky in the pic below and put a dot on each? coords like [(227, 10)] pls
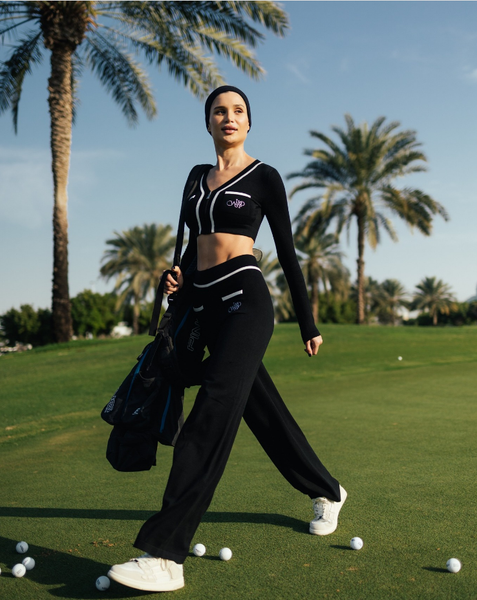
[(415, 62)]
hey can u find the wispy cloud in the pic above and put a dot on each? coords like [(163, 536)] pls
[(25, 187), (26, 184), (298, 72), (470, 74)]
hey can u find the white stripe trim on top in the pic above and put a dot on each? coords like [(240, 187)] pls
[(239, 194), (206, 285), (233, 182), (237, 293), (202, 193)]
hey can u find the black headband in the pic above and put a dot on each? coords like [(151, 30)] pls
[(222, 90)]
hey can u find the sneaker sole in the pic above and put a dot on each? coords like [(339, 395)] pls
[(147, 586), (344, 495)]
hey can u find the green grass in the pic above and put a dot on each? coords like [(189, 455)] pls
[(399, 435)]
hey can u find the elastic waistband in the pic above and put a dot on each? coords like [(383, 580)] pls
[(224, 270)]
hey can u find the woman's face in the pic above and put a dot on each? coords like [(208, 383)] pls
[(228, 121)]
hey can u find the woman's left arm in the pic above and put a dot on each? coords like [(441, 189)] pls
[(278, 216)]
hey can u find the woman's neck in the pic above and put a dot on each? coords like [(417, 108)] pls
[(232, 158)]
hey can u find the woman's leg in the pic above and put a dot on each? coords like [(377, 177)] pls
[(282, 439), (237, 316)]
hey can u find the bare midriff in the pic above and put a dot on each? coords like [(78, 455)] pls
[(216, 248)]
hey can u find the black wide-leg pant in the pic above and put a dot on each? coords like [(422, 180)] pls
[(236, 313)]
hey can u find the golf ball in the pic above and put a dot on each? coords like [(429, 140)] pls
[(225, 554), (18, 570), (199, 549), (399, 357), (29, 563), (356, 543), (0, 571), (454, 565), (22, 547), (103, 583)]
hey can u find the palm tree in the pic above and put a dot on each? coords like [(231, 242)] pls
[(320, 256), (391, 295), (269, 266), (434, 295), (358, 182), (106, 37), (371, 290), (137, 257)]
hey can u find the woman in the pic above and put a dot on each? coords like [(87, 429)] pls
[(235, 311)]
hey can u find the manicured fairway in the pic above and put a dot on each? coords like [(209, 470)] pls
[(399, 435)]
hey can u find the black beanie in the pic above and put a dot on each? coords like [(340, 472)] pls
[(222, 90)]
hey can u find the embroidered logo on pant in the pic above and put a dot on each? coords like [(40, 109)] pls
[(194, 335), (235, 306)]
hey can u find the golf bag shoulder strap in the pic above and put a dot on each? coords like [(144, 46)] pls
[(191, 184)]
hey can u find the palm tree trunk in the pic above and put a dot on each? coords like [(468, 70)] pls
[(434, 318), (136, 312), (60, 103), (360, 316)]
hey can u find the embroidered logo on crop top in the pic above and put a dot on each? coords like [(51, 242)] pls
[(236, 203)]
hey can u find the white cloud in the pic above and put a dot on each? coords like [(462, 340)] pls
[(26, 183), (470, 74), (25, 187), (298, 72)]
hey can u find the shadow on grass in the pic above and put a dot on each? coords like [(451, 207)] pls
[(141, 515), (338, 547), (65, 575), (435, 569)]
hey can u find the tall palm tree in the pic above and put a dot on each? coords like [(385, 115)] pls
[(391, 296), (107, 37), (137, 257), (371, 289), (358, 182), (319, 257), (434, 295)]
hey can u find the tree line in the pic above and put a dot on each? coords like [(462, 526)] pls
[(135, 258)]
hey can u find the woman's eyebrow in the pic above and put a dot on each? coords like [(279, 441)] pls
[(235, 106)]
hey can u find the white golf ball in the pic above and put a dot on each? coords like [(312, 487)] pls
[(0, 571), (399, 357), (356, 543), (18, 570), (22, 547), (103, 583), (29, 563), (225, 554), (454, 565), (199, 550)]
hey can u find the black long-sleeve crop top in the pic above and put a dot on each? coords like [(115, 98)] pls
[(238, 207)]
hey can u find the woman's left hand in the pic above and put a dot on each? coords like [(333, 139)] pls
[(312, 346)]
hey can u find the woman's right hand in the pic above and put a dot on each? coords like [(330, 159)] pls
[(173, 285)]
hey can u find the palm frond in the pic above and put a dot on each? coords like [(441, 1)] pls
[(13, 72), (121, 75)]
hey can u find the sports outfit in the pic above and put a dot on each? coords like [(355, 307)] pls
[(235, 311)]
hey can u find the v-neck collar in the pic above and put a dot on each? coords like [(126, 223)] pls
[(229, 181)]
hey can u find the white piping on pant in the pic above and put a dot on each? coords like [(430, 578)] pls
[(205, 285)]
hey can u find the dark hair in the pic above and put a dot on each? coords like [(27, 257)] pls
[(222, 90)]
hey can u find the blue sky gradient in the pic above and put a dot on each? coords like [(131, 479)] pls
[(414, 62)]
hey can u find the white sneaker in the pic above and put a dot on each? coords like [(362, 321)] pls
[(149, 574), (326, 514)]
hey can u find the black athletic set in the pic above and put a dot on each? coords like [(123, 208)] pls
[(235, 311)]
